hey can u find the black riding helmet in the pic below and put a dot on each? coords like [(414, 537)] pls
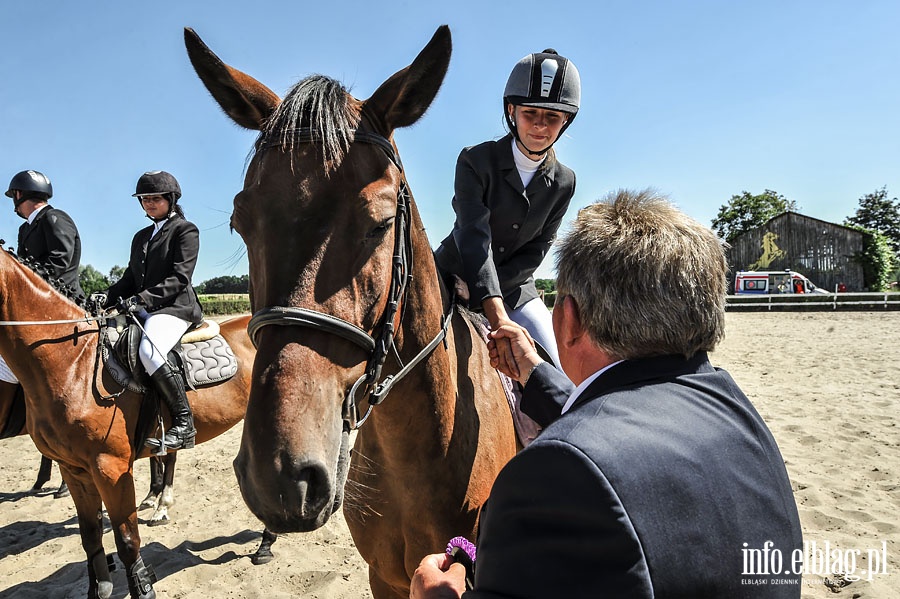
[(159, 183), (543, 80), (32, 184)]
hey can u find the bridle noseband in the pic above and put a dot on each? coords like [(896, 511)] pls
[(378, 347)]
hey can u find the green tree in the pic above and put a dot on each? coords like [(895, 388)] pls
[(225, 284), (91, 279), (547, 285), (745, 212), (115, 273), (876, 258), (878, 213)]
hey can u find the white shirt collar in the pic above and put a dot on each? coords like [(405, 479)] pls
[(523, 162), (585, 384), (157, 225), (34, 214)]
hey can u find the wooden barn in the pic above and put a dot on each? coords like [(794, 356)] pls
[(822, 251)]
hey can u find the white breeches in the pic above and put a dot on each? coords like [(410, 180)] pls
[(537, 320), (161, 333), (6, 374)]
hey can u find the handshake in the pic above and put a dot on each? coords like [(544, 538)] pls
[(512, 351)]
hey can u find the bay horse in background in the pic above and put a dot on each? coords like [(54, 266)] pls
[(11, 415), (76, 416), (336, 247), (160, 497)]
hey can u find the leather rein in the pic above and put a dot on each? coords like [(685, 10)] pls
[(401, 275)]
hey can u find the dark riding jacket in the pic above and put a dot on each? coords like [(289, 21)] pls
[(656, 484), (160, 269), (53, 239), (503, 230)]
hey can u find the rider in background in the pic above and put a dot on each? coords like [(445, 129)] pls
[(48, 236), (510, 198), (156, 288)]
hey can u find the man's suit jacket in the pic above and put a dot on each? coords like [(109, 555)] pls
[(649, 486), (53, 239), (160, 269), (503, 230)]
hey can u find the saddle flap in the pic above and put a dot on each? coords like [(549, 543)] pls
[(209, 362)]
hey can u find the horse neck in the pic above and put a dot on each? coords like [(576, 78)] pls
[(24, 296)]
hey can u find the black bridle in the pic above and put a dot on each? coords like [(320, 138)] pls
[(401, 275)]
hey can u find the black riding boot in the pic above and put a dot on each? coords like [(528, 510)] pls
[(181, 434)]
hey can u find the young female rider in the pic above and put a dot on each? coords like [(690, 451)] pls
[(156, 287), (510, 198)]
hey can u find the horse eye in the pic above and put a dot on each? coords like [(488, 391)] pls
[(381, 229)]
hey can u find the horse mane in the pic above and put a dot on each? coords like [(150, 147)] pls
[(45, 272), (321, 104)]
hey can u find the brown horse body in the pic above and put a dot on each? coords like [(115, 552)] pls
[(319, 216), (74, 419)]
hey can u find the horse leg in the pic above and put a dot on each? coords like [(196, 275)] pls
[(63, 490), (264, 554), (117, 491), (43, 476), (382, 590), (88, 506), (166, 493), (156, 484)]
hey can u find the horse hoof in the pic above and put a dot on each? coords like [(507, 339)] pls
[(258, 559), (158, 522), (104, 589), (62, 492)]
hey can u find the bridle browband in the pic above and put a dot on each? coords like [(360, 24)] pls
[(378, 347)]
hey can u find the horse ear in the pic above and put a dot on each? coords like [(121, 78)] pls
[(406, 95), (247, 101)]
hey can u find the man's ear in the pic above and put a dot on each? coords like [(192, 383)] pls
[(571, 329)]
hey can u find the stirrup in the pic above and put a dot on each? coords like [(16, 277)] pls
[(187, 442)]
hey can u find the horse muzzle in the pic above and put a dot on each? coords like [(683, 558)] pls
[(293, 494)]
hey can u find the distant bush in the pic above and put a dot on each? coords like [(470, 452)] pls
[(221, 304)]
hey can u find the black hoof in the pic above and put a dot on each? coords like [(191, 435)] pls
[(262, 557), (63, 491)]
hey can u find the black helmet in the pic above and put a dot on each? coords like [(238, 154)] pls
[(543, 80), (158, 183), (32, 183)]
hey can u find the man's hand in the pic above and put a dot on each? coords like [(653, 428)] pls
[(438, 577), (495, 311), (521, 348)]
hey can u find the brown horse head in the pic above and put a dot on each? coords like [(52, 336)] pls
[(318, 214)]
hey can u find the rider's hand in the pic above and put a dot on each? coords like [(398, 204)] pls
[(98, 300), (131, 305)]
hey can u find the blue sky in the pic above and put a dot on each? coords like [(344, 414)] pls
[(699, 99)]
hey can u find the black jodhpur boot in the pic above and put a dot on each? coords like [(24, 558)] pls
[(182, 432)]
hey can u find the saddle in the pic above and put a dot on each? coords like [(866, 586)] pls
[(202, 356)]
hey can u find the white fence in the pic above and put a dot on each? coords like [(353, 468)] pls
[(814, 301)]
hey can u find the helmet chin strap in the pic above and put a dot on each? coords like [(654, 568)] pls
[(169, 213), (515, 131)]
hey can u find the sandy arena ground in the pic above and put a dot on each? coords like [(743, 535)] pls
[(826, 383)]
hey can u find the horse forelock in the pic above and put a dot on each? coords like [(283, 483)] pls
[(321, 104)]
